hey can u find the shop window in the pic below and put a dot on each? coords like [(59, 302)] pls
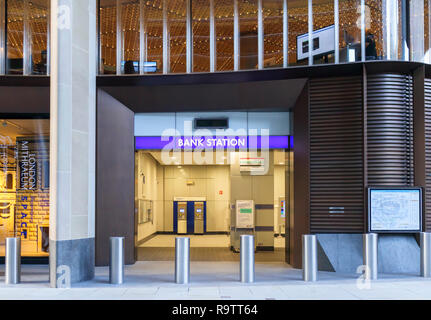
[(24, 186)]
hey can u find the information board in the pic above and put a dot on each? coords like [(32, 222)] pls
[(394, 210), (252, 164), (245, 214)]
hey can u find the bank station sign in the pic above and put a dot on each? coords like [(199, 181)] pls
[(213, 142)]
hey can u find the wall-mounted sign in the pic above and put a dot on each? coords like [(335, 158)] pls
[(394, 209), (252, 161), (28, 166), (244, 214), (211, 142), (251, 164), (32, 194)]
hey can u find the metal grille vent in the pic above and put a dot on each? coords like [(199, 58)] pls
[(336, 155), (390, 130), (427, 212)]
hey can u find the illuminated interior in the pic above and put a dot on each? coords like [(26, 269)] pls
[(215, 180), (24, 184), (323, 16), (33, 17), (27, 32)]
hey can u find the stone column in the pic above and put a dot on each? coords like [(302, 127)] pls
[(73, 127)]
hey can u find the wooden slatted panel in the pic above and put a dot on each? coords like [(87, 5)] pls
[(390, 130), (428, 154), (336, 155)]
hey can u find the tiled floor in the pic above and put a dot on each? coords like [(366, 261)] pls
[(210, 280), (204, 248), (207, 254), (210, 240), (207, 240)]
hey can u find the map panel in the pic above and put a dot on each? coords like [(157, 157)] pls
[(395, 210)]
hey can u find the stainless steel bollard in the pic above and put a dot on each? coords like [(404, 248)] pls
[(247, 259), (116, 260), (309, 257), (370, 242), (182, 260), (13, 261), (425, 254)]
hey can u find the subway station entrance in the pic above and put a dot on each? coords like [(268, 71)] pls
[(212, 187)]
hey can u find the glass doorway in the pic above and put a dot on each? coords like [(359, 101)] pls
[(200, 197)]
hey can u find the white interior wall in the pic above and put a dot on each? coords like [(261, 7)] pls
[(152, 189), (279, 187), (160, 198), (212, 182), (279, 191)]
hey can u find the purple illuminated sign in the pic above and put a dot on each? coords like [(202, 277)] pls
[(190, 143)]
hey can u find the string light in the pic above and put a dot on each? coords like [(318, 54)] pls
[(38, 23), (323, 16), (298, 24)]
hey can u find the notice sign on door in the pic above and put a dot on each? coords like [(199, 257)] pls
[(245, 214)]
